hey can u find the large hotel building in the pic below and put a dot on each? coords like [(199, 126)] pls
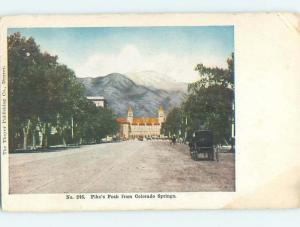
[(132, 127)]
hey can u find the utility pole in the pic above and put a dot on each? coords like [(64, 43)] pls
[(185, 132), (72, 125)]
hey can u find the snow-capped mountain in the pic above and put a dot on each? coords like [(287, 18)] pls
[(122, 92), (153, 79)]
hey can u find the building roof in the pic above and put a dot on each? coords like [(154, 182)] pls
[(145, 120), (122, 120), (140, 120)]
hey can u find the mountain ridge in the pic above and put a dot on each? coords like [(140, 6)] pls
[(153, 79), (122, 92)]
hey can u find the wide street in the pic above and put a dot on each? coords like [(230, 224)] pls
[(129, 166)]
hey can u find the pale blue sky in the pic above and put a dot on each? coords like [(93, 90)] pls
[(173, 51)]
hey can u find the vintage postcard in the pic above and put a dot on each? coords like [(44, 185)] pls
[(150, 111)]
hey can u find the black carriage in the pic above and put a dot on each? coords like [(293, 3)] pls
[(201, 142)]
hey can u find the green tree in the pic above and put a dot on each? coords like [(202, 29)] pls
[(209, 105), (210, 101), (96, 123), (45, 95), (24, 63), (173, 124)]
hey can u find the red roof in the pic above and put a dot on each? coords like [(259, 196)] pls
[(140, 120), (121, 120), (145, 120)]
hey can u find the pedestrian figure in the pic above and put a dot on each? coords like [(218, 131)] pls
[(180, 140), (173, 140)]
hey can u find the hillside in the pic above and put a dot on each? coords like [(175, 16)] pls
[(121, 92), (155, 80)]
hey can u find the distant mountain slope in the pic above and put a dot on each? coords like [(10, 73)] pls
[(121, 92), (156, 80)]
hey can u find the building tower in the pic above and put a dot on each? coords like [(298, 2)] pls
[(130, 115), (161, 115)]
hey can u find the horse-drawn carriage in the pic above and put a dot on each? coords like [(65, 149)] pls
[(201, 142)]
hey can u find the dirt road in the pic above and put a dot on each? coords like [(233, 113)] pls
[(130, 166)]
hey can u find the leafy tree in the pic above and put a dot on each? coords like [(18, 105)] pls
[(45, 95), (210, 101), (23, 67), (173, 124), (209, 104), (98, 122)]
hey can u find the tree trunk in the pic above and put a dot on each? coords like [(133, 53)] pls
[(33, 140), (25, 134), (24, 139), (64, 140), (45, 141), (61, 133), (41, 139), (45, 136)]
